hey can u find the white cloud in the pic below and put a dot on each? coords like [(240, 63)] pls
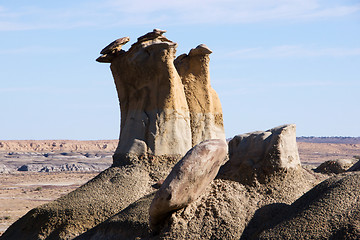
[(286, 51), (135, 12)]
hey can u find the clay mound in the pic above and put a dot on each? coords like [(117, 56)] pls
[(335, 166), (330, 210), (105, 195), (228, 206), (130, 223), (222, 212)]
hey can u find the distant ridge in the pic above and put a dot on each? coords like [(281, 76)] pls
[(344, 140)]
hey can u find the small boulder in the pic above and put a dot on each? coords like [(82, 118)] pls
[(188, 179), (260, 154), (335, 166), (355, 167)]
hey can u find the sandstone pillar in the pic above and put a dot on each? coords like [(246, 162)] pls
[(204, 104)]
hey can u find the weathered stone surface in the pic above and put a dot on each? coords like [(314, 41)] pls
[(115, 46), (130, 223), (188, 179), (112, 50), (258, 154), (204, 104), (355, 167), (162, 112), (331, 210), (335, 166), (154, 113)]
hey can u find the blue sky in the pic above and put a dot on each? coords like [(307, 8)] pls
[(273, 62)]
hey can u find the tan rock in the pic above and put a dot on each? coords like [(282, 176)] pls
[(188, 179), (258, 154), (204, 104), (355, 167), (161, 113), (154, 112), (115, 46), (112, 50)]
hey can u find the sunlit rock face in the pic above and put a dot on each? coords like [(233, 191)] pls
[(204, 104), (165, 110)]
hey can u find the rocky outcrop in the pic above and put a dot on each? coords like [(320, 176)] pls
[(222, 210), (159, 115), (335, 166), (188, 179), (154, 113), (257, 155), (204, 104)]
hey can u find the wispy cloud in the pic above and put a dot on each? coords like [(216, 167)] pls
[(286, 51), (129, 13)]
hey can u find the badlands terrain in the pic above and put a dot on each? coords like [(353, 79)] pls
[(36, 172), (172, 175)]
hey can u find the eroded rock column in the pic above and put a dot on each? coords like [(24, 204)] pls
[(204, 104), (154, 113), (165, 110)]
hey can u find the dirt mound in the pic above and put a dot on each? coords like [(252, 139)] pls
[(331, 210), (105, 195), (130, 223), (335, 166), (221, 213)]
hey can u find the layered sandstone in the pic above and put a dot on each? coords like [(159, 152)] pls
[(164, 110), (204, 104), (154, 113)]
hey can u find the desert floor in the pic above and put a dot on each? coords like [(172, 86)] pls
[(22, 191)]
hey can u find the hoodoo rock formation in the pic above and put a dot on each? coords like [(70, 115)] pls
[(160, 116), (204, 104), (167, 107)]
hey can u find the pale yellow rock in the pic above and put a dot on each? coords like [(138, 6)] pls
[(154, 113), (204, 104), (164, 110)]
